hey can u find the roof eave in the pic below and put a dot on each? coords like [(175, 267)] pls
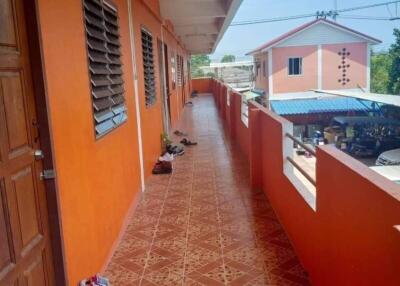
[(228, 20), (290, 34)]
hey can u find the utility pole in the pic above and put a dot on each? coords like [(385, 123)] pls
[(335, 8)]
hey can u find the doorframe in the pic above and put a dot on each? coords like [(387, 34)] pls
[(167, 79), (163, 70), (36, 59)]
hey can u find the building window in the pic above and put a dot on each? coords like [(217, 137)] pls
[(264, 69), (179, 70), (173, 70), (295, 66), (105, 66), (148, 68), (258, 68)]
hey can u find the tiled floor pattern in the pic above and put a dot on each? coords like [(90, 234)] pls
[(203, 225)]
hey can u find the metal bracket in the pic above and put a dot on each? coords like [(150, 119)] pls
[(47, 174), (38, 154)]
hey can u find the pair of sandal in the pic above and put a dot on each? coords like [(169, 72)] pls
[(187, 142), (179, 133)]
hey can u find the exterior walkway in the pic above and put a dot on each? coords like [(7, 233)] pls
[(203, 225)]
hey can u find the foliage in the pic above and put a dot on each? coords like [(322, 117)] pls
[(165, 141), (228, 59), (380, 66), (198, 61), (385, 69), (394, 72)]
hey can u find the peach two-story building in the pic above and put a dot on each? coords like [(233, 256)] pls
[(320, 54)]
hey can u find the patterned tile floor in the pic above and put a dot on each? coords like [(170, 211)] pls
[(203, 225)]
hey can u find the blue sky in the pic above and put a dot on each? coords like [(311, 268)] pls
[(240, 39)]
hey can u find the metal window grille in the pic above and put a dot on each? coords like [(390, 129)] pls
[(148, 68), (105, 66)]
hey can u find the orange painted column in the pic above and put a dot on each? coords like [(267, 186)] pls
[(255, 147)]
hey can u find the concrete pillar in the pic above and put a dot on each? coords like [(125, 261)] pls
[(255, 147)]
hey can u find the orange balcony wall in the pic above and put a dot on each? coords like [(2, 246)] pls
[(202, 85), (350, 237)]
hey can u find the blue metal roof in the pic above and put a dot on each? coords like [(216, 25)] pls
[(321, 105)]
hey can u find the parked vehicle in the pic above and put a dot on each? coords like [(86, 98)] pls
[(390, 172), (391, 158)]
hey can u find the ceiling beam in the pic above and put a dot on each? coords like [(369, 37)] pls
[(199, 24), (192, 9), (205, 29)]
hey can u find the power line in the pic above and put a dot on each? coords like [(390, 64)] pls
[(278, 19), (356, 17), (368, 6), (318, 14)]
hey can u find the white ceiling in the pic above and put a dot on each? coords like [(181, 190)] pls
[(200, 24)]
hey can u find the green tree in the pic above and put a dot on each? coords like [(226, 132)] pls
[(394, 72), (198, 61), (380, 66), (228, 59)]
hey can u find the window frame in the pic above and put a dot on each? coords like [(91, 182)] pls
[(151, 100), (105, 67), (173, 69), (179, 71), (300, 66), (264, 68)]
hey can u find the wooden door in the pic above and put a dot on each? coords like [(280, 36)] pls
[(25, 248)]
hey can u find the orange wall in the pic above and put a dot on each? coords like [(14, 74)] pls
[(202, 85), (357, 72), (282, 81), (350, 239), (97, 180), (232, 115), (151, 117), (175, 48)]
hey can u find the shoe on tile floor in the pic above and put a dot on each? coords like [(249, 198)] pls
[(187, 142), (162, 167), (167, 157), (179, 133), (176, 150)]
